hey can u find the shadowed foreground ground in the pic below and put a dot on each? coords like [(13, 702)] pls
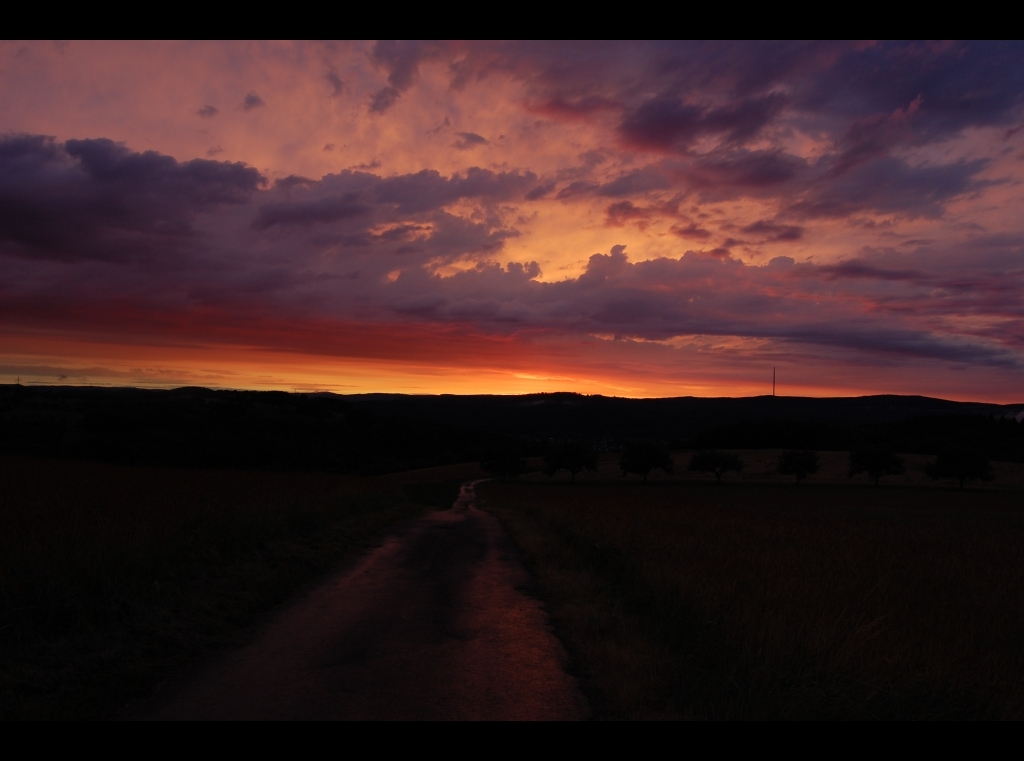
[(432, 625), (761, 601)]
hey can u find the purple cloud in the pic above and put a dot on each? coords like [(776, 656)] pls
[(775, 232), (95, 199), (666, 123), (849, 156), (251, 101), (467, 140), (401, 59)]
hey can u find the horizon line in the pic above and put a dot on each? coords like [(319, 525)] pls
[(38, 384)]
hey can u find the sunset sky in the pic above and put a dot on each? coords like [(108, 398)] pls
[(636, 219)]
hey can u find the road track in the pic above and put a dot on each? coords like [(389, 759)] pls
[(434, 624)]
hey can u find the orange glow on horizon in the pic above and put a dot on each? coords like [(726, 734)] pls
[(628, 219), (520, 367)]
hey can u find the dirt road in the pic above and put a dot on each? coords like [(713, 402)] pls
[(432, 625)]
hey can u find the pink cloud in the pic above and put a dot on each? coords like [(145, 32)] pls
[(815, 201)]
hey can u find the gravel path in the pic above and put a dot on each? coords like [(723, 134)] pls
[(432, 625)]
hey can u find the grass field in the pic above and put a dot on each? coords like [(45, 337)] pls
[(760, 468), (687, 600), (112, 577)]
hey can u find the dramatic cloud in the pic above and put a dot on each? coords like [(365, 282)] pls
[(402, 62), (775, 232), (848, 212), (95, 199), (336, 83), (668, 124), (304, 212), (467, 140), (251, 101)]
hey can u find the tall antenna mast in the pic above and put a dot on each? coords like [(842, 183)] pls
[(773, 381)]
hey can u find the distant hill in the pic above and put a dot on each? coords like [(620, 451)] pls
[(379, 433), (563, 415), (198, 427)]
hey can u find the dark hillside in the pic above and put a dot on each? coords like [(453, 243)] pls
[(382, 433), (565, 415), (998, 438), (196, 427), (913, 424)]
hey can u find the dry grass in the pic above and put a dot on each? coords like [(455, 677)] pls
[(685, 600), (112, 577)]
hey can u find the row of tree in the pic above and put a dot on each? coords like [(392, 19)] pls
[(996, 437), (959, 464), (641, 458)]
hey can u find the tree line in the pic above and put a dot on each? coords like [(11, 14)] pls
[(505, 460)]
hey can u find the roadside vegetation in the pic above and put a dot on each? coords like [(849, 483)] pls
[(766, 601), (113, 577)]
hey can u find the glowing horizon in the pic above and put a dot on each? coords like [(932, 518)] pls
[(630, 219)]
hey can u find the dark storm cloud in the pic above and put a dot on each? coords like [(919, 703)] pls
[(80, 199), (735, 89), (891, 185), (356, 194), (401, 59), (637, 181), (714, 296), (97, 199), (869, 100), (668, 94), (666, 123), (577, 188), (620, 212), (744, 171), (207, 112), (157, 178), (401, 232), (715, 122), (691, 231), (305, 212), (429, 189), (251, 101), (860, 269), (540, 191), (383, 99), (959, 85), (467, 140), (337, 85), (775, 232)]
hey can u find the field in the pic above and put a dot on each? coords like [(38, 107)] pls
[(680, 599), (113, 578), (676, 598), (759, 467)]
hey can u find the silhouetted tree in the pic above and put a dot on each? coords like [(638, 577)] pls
[(798, 462), (573, 456), (502, 459), (713, 461), (641, 457), (961, 464), (876, 463)]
